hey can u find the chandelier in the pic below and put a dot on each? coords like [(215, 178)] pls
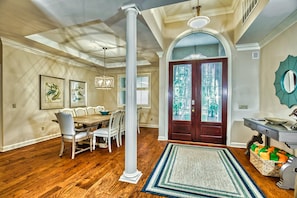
[(104, 82), (198, 21)]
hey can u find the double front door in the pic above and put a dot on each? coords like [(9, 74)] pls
[(198, 100)]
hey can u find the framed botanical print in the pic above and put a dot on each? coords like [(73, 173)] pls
[(78, 93), (51, 92)]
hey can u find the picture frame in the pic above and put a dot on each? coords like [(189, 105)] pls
[(78, 93), (52, 92)]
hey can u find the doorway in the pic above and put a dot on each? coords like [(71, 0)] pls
[(198, 100)]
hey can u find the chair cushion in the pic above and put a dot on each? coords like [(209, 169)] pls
[(77, 136), (101, 131)]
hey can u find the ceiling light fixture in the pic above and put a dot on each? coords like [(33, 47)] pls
[(198, 21), (104, 82)]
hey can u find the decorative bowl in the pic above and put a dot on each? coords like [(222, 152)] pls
[(105, 112), (275, 121)]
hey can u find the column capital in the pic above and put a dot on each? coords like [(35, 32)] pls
[(131, 7), (160, 53)]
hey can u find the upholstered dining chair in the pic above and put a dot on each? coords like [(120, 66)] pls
[(69, 111), (122, 127), (71, 134), (112, 131), (80, 111)]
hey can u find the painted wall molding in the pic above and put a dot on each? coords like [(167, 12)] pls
[(29, 142)]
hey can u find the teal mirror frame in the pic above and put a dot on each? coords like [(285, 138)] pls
[(286, 98)]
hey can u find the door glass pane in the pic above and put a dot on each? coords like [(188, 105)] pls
[(182, 92), (211, 92)]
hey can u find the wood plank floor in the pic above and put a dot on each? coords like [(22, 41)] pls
[(38, 171)]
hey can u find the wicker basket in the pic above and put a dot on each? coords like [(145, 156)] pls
[(265, 167)]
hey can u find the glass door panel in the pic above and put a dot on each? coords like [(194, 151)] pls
[(182, 92), (211, 92), (197, 100)]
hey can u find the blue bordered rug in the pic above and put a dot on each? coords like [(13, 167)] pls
[(200, 171)]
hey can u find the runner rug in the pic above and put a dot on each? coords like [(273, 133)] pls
[(199, 171)]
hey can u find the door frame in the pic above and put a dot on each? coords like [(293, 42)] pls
[(189, 130), (165, 58)]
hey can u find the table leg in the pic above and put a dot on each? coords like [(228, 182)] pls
[(256, 138)]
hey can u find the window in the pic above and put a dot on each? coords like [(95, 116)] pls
[(143, 86)]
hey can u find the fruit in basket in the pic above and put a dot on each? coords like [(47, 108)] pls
[(265, 155), (282, 157)]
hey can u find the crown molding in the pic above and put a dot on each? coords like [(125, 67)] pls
[(247, 47), (22, 47)]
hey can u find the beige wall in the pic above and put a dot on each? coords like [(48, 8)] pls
[(245, 91), (271, 55), (27, 124)]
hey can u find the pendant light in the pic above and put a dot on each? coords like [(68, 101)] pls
[(104, 82), (198, 21)]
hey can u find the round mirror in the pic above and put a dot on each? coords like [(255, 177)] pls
[(289, 81), (285, 82)]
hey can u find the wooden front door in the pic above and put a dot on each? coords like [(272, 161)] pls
[(198, 100)]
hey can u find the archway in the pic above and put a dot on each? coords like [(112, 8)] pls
[(163, 103)]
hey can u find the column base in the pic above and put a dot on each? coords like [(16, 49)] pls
[(131, 178)]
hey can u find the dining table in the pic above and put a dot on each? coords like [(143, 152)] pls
[(93, 120)]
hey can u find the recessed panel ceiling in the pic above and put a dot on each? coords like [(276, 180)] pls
[(89, 25), (80, 27)]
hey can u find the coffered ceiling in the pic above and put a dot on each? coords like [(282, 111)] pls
[(79, 29)]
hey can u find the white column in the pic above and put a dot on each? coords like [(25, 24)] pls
[(131, 174), (163, 131)]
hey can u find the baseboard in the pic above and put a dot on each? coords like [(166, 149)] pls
[(238, 145), (149, 125), (162, 138), (28, 142), (41, 139)]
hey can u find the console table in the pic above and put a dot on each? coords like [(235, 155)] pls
[(280, 133)]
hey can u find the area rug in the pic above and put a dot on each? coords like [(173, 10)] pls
[(199, 171)]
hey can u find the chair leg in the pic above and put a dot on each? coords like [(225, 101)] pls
[(91, 144), (94, 143), (73, 149), (109, 144), (120, 138), (117, 140), (62, 148)]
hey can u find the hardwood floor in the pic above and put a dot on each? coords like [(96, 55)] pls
[(38, 171)]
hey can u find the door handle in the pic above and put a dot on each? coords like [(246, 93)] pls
[(193, 109)]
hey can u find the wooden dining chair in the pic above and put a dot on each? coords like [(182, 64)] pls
[(99, 108), (122, 127), (80, 111), (73, 135), (138, 118), (91, 110), (112, 131)]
